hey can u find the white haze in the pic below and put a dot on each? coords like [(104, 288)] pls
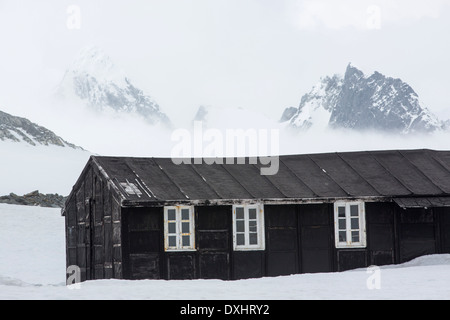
[(261, 56), (127, 135)]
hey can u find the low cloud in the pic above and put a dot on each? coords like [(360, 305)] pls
[(364, 15)]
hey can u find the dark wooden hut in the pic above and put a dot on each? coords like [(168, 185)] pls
[(148, 218)]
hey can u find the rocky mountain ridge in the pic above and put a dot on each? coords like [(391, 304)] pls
[(359, 102)]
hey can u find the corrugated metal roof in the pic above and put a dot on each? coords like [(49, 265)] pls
[(390, 174)]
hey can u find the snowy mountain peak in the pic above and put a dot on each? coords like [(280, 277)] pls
[(94, 79), (95, 62), (353, 73), (360, 102), (16, 129)]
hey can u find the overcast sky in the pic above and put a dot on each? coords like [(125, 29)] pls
[(256, 54)]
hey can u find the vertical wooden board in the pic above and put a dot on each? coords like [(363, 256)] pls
[(81, 233), (71, 213), (81, 256), (115, 209), (419, 216), (213, 217), (118, 270), (213, 240), (381, 258), (380, 237), (98, 272), (411, 249), (88, 184), (143, 219), (80, 206), (281, 263), (380, 230), (316, 251), (108, 245), (181, 266), (417, 235), (445, 229), (116, 232), (98, 199), (351, 259), (83, 275), (144, 241), (248, 264), (71, 236), (108, 272), (316, 238), (106, 201), (145, 266), (107, 233), (98, 234), (214, 265), (117, 253), (315, 214), (379, 213), (213, 228), (88, 196), (281, 240), (315, 260), (280, 216), (71, 256), (98, 257)]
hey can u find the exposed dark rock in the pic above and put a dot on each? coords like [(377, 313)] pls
[(35, 198)]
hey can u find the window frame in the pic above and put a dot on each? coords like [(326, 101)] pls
[(179, 234), (349, 243), (260, 230)]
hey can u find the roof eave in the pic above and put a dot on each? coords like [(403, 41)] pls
[(271, 201)]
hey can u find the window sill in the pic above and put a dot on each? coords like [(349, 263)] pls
[(248, 249), (350, 246), (180, 250)]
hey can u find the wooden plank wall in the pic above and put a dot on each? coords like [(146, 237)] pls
[(93, 229), (107, 241)]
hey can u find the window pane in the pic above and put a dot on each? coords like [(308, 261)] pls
[(252, 214), (171, 214), (185, 214), (355, 223), (240, 226), (341, 212), (172, 227), (240, 239), (252, 226), (172, 241), (239, 213), (186, 241), (342, 224), (185, 227), (354, 210), (253, 238), (355, 236), (342, 236)]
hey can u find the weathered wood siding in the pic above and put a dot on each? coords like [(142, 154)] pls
[(107, 241), (93, 224)]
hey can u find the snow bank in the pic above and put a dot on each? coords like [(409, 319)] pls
[(32, 266)]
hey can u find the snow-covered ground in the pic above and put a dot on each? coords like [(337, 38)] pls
[(32, 266)]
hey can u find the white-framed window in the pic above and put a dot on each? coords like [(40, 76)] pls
[(248, 227), (350, 224), (179, 229)]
